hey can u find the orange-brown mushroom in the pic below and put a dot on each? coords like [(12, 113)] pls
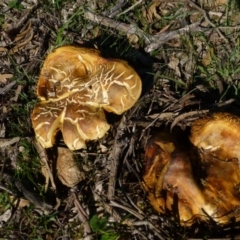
[(74, 87), (219, 134), (218, 141), (169, 180), (202, 186), (157, 157)]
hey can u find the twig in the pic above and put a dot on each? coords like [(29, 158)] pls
[(7, 142), (34, 198), (139, 216), (17, 93), (152, 42), (25, 16), (114, 158), (225, 103), (8, 87), (130, 210), (161, 116), (83, 217), (160, 39), (7, 190), (130, 8), (180, 99), (43, 157), (184, 115), (113, 12), (143, 237), (126, 28), (169, 115), (237, 27), (109, 209), (208, 20), (157, 116)]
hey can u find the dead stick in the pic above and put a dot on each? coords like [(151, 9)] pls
[(114, 158), (205, 15), (44, 159), (139, 216), (161, 38), (82, 215), (6, 142), (122, 27), (152, 42), (109, 209), (184, 115)]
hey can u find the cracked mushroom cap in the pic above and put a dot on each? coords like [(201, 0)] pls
[(75, 86)]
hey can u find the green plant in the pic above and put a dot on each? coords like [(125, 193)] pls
[(4, 202), (1, 20), (61, 39), (15, 4), (100, 226)]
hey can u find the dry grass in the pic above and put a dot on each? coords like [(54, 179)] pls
[(188, 56)]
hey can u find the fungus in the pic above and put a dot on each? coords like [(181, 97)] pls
[(202, 183), (218, 134), (68, 170), (218, 142), (157, 156), (169, 180), (75, 86)]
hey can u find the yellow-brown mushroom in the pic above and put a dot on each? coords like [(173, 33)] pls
[(217, 138), (170, 182), (157, 156), (75, 86), (200, 186)]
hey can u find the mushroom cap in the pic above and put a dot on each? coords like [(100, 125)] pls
[(217, 138), (75, 86), (183, 192), (219, 132), (221, 185), (157, 157), (170, 182), (202, 183)]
